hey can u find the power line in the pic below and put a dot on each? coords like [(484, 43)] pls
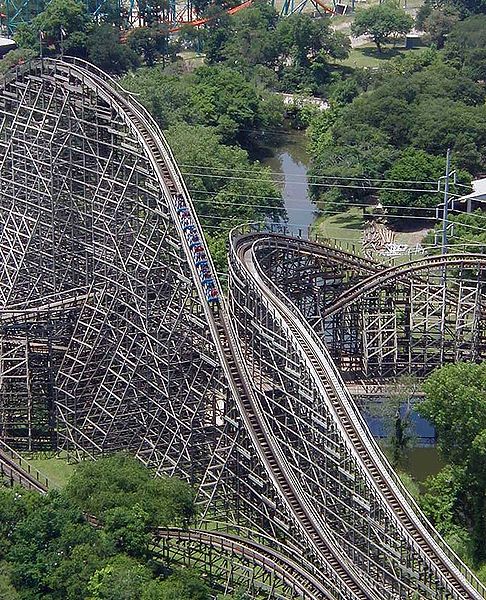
[(327, 185), (307, 176), (293, 223), (459, 213), (334, 184), (315, 208), (468, 226)]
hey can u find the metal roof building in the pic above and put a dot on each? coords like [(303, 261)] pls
[(6, 45)]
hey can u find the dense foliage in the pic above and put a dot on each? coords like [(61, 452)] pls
[(48, 550), (400, 129), (288, 54), (218, 97), (466, 232), (455, 499)]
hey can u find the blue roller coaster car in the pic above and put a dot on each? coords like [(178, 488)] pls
[(212, 295)]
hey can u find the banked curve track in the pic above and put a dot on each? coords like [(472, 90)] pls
[(343, 569), (245, 253)]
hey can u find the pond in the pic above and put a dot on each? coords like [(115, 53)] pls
[(289, 162), (423, 459)]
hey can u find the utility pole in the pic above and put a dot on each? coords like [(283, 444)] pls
[(446, 201)]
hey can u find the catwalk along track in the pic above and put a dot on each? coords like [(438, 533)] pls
[(240, 395)]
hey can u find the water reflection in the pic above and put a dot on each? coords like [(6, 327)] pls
[(290, 161)]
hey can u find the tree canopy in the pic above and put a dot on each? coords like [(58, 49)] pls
[(120, 481), (382, 22), (290, 54), (48, 549), (420, 166), (455, 404), (399, 129)]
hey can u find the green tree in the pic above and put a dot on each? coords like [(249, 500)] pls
[(182, 585), (455, 404), (410, 484), (305, 45), (123, 578), (389, 108), (382, 22), (70, 576), (48, 550), (167, 97), (344, 92), (217, 96), (413, 165), (466, 46), (107, 12), (122, 482), (111, 482), (13, 508), (106, 51), (481, 573), (461, 542), (442, 502), (470, 7), (169, 502), (439, 23), (441, 496), (353, 158), (223, 98), (423, 12), (27, 38), (70, 16), (150, 43), (291, 54), (129, 530), (49, 531), (7, 590), (217, 31), (440, 124), (252, 42)]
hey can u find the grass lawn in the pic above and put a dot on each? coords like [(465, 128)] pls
[(56, 469), (369, 57), (347, 226)]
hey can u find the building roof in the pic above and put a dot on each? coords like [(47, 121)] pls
[(478, 193), (6, 45), (6, 42)]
